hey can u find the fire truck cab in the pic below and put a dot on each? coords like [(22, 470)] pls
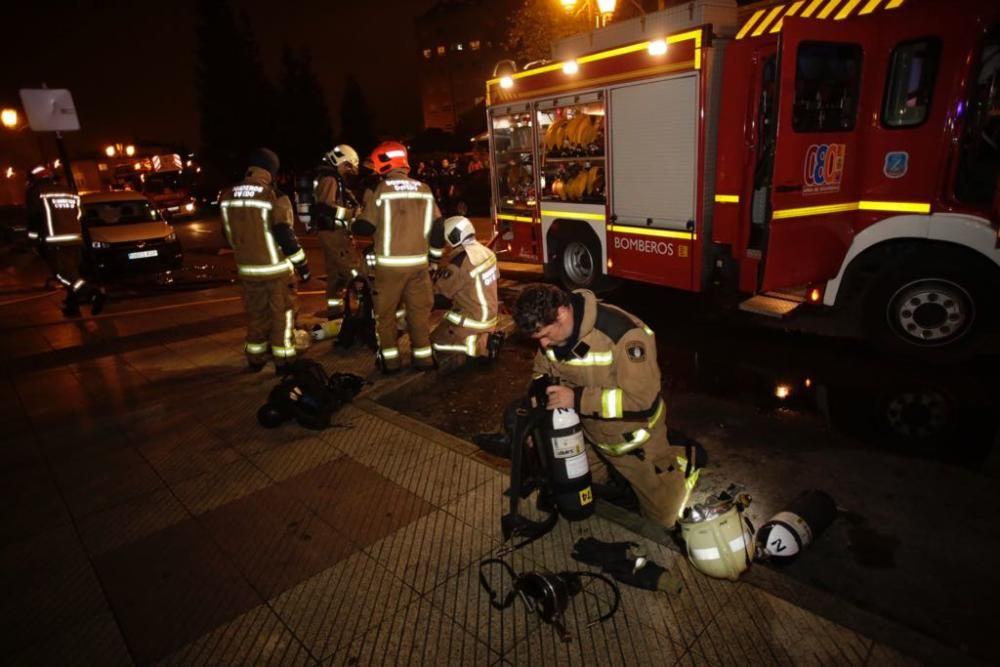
[(839, 153)]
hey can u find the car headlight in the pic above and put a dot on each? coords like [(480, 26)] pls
[(171, 237), (189, 207), (99, 244)]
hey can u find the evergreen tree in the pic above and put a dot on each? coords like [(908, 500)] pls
[(304, 132), (235, 99), (356, 118), (537, 24)]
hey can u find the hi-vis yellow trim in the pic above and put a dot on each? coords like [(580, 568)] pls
[(611, 403), (638, 437), (792, 11), (575, 215), (515, 218), (887, 206), (646, 231), (813, 6), (772, 19), (750, 23), (589, 359), (762, 26), (846, 10), (727, 199)]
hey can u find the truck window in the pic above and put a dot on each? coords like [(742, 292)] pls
[(513, 158), (827, 78), (572, 150), (979, 149), (910, 81)]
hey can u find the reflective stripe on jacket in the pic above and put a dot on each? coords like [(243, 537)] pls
[(62, 215), (251, 211), (403, 211)]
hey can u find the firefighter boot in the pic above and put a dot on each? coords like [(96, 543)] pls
[(71, 306), (97, 301)]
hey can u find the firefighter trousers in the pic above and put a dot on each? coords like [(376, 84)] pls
[(449, 338), (66, 264), (341, 265), (411, 287), (270, 306), (655, 476)]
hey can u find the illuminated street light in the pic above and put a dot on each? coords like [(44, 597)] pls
[(568, 5), (606, 6), (109, 151), (10, 172), (10, 118), (130, 150), (598, 11)]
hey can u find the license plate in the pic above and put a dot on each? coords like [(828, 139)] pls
[(142, 253)]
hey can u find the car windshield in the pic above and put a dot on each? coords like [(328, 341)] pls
[(118, 212), (162, 183)]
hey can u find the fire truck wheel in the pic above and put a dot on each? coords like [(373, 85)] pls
[(932, 302), (579, 265)]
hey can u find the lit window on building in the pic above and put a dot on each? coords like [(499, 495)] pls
[(474, 45), (441, 50), (427, 53)]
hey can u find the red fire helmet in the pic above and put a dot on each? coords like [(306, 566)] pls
[(389, 155)]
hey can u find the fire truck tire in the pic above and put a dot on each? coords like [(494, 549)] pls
[(576, 258), (936, 301)]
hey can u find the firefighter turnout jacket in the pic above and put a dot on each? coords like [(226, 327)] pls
[(57, 215), (405, 220), (335, 204), (469, 283), (258, 225), (610, 363)]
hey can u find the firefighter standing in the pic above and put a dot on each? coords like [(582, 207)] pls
[(604, 361), (332, 214), (258, 224), (406, 223), (468, 285), (54, 219)]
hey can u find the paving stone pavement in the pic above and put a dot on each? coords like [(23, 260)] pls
[(152, 521)]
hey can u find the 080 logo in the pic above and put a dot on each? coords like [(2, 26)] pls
[(823, 169)]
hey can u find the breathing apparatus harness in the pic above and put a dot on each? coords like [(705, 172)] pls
[(546, 593)]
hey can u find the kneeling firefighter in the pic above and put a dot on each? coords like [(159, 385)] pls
[(467, 286), (602, 361)]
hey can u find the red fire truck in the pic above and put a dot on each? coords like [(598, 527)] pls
[(837, 153)]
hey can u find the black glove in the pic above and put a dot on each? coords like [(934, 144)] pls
[(593, 551), (303, 271), (649, 576)]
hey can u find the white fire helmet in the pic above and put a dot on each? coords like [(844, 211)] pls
[(342, 153), (458, 229)]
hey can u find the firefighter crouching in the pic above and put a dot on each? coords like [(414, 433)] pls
[(405, 220), (258, 224), (467, 286), (54, 219), (332, 214), (604, 360)]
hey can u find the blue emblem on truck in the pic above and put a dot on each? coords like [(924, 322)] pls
[(896, 164)]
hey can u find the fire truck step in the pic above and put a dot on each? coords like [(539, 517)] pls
[(769, 306)]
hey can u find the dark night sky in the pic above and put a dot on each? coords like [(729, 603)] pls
[(131, 65)]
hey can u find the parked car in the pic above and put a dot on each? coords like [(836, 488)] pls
[(124, 235)]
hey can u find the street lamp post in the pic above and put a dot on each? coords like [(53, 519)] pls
[(600, 17)]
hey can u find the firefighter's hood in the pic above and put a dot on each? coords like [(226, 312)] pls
[(589, 312)]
